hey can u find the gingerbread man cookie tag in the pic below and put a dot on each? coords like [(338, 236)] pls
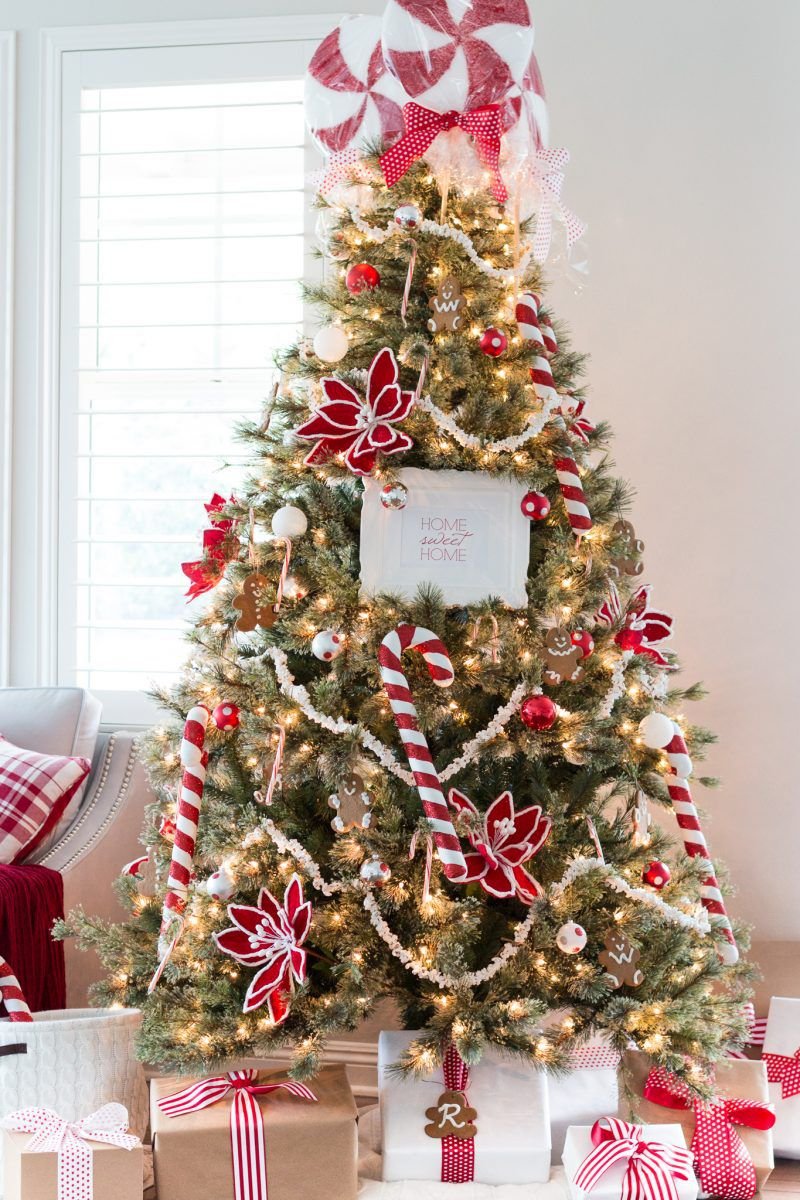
[(254, 605), (627, 561), (619, 959), (352, 805), (561, 657), (447, 307), (451, 1116)]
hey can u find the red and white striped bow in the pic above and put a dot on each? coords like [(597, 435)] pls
[(246, 1121), (652, 1167), (423, 126), (52, 1134)]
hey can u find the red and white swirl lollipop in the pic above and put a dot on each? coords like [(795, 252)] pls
[(452, 57), (350, 96)]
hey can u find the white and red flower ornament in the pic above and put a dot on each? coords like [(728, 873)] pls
[(502, 842), (360, 428), (270, 936), (642, 626)]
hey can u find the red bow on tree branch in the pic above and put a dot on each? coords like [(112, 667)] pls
[(218, 549), (423, 126)]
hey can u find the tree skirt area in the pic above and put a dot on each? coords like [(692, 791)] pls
[(373, 1188)]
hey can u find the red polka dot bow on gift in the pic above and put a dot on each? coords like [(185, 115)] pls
[(423, 126)]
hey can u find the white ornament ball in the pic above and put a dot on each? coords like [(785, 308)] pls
[(331, 343), (220, 885), (289, 522), (327, 644), (375, 872), (656, 730), (394, 495), (571, 938), (407, 216)]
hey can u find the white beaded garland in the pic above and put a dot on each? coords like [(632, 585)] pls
[(289, 522), (471, 441)]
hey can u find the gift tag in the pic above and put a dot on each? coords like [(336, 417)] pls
[(254, 604), (452, 1116), (352, 804)]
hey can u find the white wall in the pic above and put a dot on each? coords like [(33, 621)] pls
[(680, 115)]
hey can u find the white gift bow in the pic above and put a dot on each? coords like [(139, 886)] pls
[(547, 172), (67, 1139)]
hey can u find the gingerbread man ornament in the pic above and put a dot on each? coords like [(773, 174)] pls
[(561, 657), (254, 605), (451, 1116), (447, 307), (627, 561), (619, 959), (352, 804)]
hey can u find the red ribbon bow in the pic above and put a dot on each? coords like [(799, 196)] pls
[(423, 126), (722, 1162), (652, 1167), (246, 1121), (785, 1070), (218, 548)]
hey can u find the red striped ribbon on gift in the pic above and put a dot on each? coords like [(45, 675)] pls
[(652, 1167)]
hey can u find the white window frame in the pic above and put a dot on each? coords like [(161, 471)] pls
[(7, 177), (55, 45)]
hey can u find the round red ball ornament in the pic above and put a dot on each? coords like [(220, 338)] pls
[(226, 715), (535, 506), (494, 342), (537, 712), (584, 641), (656, 874), (362, 277)]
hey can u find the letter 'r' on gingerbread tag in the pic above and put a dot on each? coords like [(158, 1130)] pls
[(451, 1117)]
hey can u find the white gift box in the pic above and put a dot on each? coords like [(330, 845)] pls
[(512, 1144), (588, 1092), (578, 1147), (783, 1037)]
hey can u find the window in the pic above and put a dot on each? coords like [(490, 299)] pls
[(184, 235)]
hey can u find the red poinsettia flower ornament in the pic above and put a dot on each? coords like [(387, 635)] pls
[(642, 626), (502, 841), (218, 547), (270, 936), (360, 428)]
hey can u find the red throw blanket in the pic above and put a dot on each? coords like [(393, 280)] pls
[(31, 898)]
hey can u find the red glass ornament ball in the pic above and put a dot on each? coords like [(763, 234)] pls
[(537, 712), (362, 277), (226, 716), (535, 506), (656, 874), (584, 641), (494, 342)]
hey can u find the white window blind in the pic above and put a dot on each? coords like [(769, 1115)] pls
[(184, 238)]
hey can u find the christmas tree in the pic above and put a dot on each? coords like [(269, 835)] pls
[(441, 698)]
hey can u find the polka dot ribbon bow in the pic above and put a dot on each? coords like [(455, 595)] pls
[(68, 1139), (785, 1070), (249, 1161), (458, 1154), (423, 126), (722, 1162), (652, 1167)]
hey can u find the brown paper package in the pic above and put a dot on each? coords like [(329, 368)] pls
[(116, 1174), (736, 1080), (312, 1148)]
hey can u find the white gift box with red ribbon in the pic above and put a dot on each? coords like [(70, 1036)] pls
[(589, 1091), (633, 1162), (782, 1058), (512, 1144)]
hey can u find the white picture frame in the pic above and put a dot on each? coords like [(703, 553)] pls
[(463, 531)]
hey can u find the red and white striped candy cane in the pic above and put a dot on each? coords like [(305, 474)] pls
[(437, 660), (193, 761), (572, 492), (527, 314), (12, 994)]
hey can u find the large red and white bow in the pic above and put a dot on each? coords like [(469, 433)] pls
[(652, 1167), (722, 1162), (249, 1160), (68, 1139), (423, 126), (547, 175), (785, 1070)]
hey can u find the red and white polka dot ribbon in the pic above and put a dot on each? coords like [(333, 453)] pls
[(68, 1139), (12, 994), (458, 1154), (423, 126)]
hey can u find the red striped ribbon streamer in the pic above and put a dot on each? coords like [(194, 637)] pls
[(12, 994), (458, 1154), (652, 1167), (248, 1154)]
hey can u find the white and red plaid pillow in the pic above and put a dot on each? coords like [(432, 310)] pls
[(35, 790)]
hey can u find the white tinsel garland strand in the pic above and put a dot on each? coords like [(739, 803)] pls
[(582, 866), (617, 684), (471, 442)]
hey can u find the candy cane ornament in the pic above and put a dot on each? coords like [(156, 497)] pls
[(193, 760), (569, 481), (12, 994), (530, 330), (434, 804)]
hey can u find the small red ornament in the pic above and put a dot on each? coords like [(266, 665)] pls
[(629, 639), (362, 277), (535, 506), (584, 641), (494, 342), (656, 874), (167, 829), (537, 712), (226, 715)]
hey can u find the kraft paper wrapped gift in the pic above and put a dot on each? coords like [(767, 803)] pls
[(311, 1147), (512, 1144), (782, 1059), (29, 1175), (578, 1146), (736, 1079), (589, 1091)]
